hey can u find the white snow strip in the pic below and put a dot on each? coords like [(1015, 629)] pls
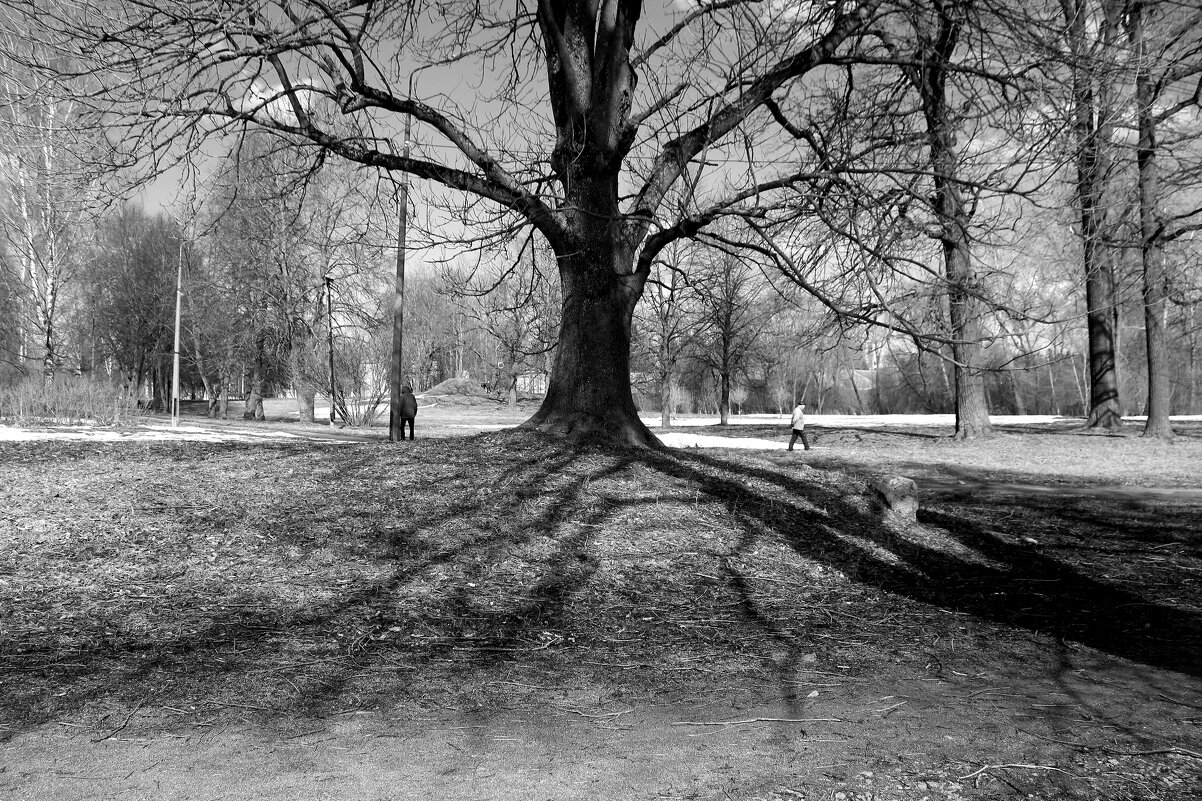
[(676, 439), (144, 433)]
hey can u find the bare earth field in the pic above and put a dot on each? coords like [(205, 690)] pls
[(282, 611)]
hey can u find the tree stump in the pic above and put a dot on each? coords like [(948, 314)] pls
[(897, 495)]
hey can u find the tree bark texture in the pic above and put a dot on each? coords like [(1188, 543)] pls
[(306, 397), (665, 389), (254, 400), (972, 411), (1155, 291), (1093, 132), (589, 391)]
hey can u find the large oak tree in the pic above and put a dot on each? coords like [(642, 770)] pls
[(613, 123)]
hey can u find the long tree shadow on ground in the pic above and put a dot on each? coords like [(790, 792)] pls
[(1014, 583), (482, 551)]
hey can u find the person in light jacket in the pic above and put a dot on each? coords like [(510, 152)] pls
[(799, 427)]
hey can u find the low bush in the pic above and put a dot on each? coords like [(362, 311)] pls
[(67, 399)]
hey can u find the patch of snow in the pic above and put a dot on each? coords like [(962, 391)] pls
[(676, 439), (146, 433), (858, 420)]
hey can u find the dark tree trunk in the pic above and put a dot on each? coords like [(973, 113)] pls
[(589, 392), (254, 400), (665, 399), (972, 411), (1093, 133), (1155, 292), (157, 403), (724, 396), (1192, 398), (1020, 406), (306, 397)]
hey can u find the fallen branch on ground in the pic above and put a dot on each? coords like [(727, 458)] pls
[(753, 720), (1013, 765)]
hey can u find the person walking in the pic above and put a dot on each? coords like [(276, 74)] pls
[(408, 410), (799, 427)]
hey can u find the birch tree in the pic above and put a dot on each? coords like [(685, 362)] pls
[(44, 197)]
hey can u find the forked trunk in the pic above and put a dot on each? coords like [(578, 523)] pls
[(589, 393)]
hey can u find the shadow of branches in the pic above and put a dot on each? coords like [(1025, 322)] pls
[(1015, 583), (296, 580)]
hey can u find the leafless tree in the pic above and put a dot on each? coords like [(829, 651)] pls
[(340, 76), (44, 195), (1166, 43), (1092, 33)]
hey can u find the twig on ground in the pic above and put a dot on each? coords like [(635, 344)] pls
[(287, 665), (250, 706), (1172, 749), (607, 715), (124, 723), (980, 771), (753, 720)]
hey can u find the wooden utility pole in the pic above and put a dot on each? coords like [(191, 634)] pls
[(395, 433), (179, 297), (330, 329)]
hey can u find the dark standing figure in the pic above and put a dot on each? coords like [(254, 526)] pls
[(408, 410), (799, 426)]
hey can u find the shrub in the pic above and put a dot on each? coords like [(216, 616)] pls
[(67, 399)]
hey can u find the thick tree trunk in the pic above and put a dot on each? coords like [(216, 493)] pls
[(724, 397), (972, 411), (589, 392), (1155, 291), (1192, 399), (157, 402), (306, 397), (254, 401), (665, 402), (665, 380), (1020, 406), (1093, 133), (1052, 388), (1105, 411)]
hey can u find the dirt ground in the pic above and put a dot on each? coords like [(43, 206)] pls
[(495, 616)]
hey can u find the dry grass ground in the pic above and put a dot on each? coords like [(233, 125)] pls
[(497, 616)]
